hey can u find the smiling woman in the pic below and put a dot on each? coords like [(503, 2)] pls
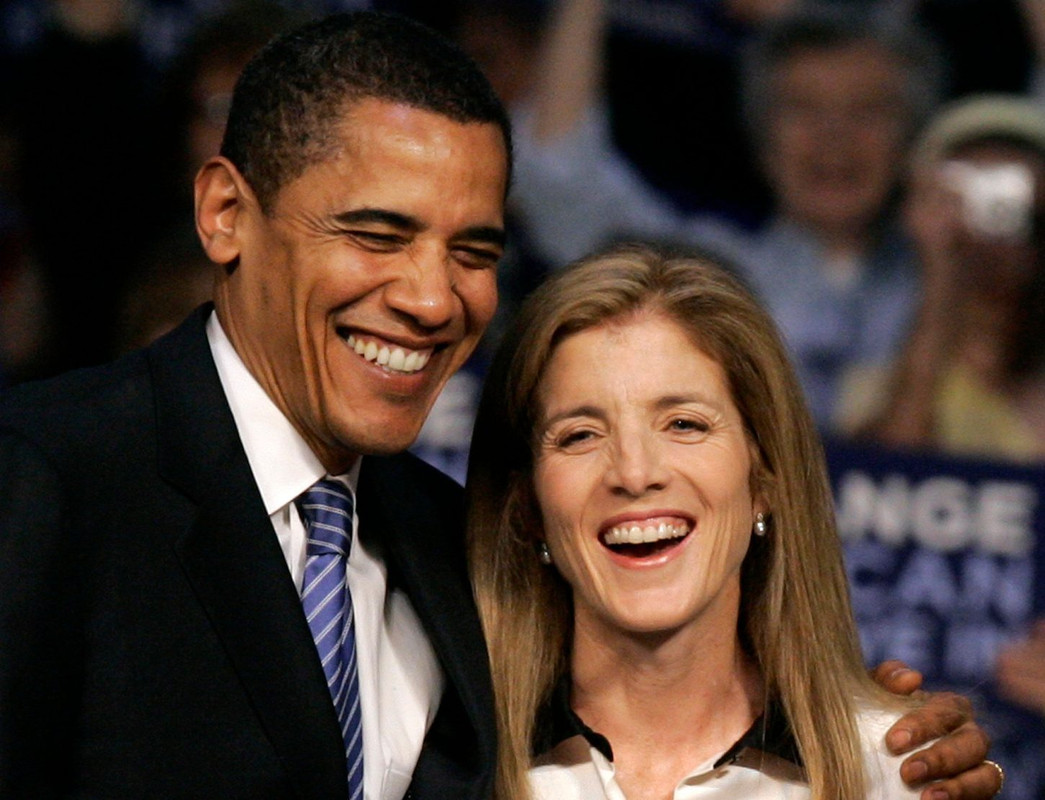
[(652, 546), (642, 477)]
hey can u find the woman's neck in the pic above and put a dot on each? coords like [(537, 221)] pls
[(666, 703)]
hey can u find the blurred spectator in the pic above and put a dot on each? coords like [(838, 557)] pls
[(1021, 670), (177, 279), (504, 38), (833, 98), (1034, 14), (198, 87), (22, 314), (172, 275), (88, 150), (971, 379), (22, 310), (697, 152)]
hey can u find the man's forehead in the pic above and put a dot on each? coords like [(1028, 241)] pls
[(360, 114)]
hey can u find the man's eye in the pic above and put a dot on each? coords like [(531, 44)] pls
[(477, 257), (378, 242)]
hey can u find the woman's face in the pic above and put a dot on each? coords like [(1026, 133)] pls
[(643, 478)]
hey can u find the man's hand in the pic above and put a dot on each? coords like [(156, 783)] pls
[(953, 768)]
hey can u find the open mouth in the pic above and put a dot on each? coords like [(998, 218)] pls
[(391, 357), (648, 538)]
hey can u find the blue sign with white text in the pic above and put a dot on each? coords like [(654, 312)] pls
[(944, 557)]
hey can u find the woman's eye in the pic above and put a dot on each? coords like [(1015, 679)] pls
[(685, 425), (574, 438)]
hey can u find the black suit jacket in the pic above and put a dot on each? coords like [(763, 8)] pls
[(152, 642)]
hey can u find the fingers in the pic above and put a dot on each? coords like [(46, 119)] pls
[(942, 713), (896, 677), (956, 756), (981, 783)]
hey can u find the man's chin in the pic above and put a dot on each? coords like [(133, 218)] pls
[(380, 440)]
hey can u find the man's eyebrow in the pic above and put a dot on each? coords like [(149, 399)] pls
[(379, 216)]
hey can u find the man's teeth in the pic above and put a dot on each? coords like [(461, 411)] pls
[(636, 534), (394, 358)]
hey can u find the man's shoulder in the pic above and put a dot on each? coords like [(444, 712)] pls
[(85, 406), (412, 475), (73, 396)]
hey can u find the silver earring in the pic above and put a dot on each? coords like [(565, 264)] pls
[(544, 555), (761, 526)]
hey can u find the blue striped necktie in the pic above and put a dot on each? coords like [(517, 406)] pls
[(326, 509)]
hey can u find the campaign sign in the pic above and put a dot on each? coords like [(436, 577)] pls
[(947, 564)]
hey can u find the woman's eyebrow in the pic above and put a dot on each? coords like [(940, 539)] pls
[(571, 413)]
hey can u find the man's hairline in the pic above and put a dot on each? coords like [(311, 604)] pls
[(330, 144)]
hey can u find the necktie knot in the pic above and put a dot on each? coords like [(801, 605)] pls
[(327, 511)]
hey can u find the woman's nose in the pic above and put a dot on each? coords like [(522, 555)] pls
[(636, 466)]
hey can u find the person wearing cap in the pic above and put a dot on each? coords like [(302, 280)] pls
[(971, 377)]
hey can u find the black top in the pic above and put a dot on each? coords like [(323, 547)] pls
[(770, 733)]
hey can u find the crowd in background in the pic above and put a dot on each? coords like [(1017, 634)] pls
[(755, 128), (874, 168)]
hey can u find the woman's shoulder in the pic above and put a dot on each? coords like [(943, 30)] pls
[(881, 767)]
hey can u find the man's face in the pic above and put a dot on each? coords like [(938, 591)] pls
[(373, 277), (836, 136)]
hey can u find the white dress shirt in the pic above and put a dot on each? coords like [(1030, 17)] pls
[(578, 770), (400, 682)]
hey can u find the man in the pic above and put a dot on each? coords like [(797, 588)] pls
[(155, 642), (357, 236)]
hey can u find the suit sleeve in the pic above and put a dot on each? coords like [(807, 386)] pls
[(41, 647)]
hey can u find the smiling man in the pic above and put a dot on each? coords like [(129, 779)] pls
[(158, 639)]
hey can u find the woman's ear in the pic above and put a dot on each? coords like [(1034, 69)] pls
[(222, 197)]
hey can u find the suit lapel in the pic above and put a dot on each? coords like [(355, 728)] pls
[(420, 528), (232, 559)]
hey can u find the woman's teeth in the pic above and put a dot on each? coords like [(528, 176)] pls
[(395, 359), (638, 534)]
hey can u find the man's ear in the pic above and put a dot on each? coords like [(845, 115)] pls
[(222, 201)]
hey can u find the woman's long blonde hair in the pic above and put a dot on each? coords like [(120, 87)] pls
[(795, 617)]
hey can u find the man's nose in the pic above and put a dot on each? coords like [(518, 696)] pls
[(424, 291)]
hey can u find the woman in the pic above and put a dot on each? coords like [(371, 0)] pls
[(641, 422), (970, 379)]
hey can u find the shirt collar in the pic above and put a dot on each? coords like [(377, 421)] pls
[(282, 463), (770, 733)]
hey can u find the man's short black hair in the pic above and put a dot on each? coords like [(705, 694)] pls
[(297, 89)]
